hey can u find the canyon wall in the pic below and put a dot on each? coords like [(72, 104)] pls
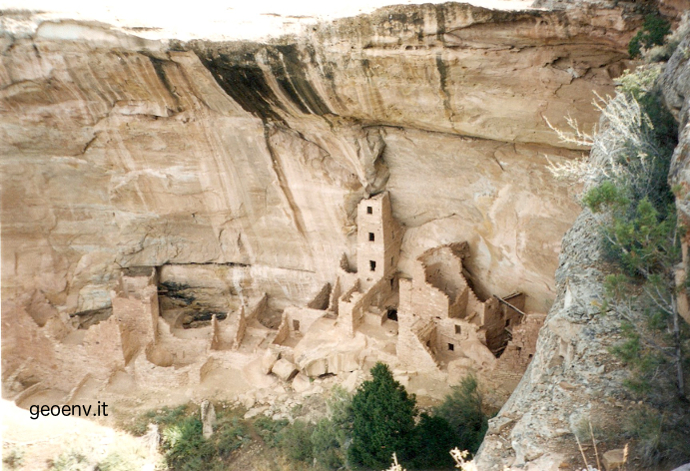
[(574, 381), (244, 162)]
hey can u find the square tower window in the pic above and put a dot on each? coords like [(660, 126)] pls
[(372, 265), (370, 210), (372, 237), (458, 330), (451, 347), (295, 325)]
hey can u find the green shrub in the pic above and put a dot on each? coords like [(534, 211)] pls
[(295, 441), (671, 43), (230, 433), (183, 443), (653, 32), (185, 446), (125, 456), (331, 435), (327, 449), (462, 408), (659, 437), (162, 417), (72, 460), (268, 429), (434, 439)]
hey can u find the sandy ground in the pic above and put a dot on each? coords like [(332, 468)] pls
[(41, 440), (207, 19)]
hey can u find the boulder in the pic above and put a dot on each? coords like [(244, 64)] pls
[(255, 411), (301, 383), (316, 367), (268, 360), (614, 459), (284, 370)]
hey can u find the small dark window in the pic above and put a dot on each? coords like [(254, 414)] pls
[(370, 210), (458, 330), (530, 355), (372, 265), (508, 322), (295, 325), (371, 237), (393, 314), (451, 347)]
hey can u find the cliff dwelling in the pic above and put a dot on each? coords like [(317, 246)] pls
[(214, 218), (428, 322)]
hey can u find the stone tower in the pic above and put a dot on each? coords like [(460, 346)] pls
[(378, 240)]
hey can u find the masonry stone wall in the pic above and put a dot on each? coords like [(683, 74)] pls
[(241, 330), (137, 315), (438, 295), (300, 319), (322, 299), (353, 304), (521, 348), (379, 237), (494, 325), (103, 344), (283, 332), (412, 350)]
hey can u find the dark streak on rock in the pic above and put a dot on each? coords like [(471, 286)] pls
[(289, 71), (238, 74), (160, 72), (443, 78)]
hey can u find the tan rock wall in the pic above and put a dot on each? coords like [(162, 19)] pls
[(238, 168), (113, 156)]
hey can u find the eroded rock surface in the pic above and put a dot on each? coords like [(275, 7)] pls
[(230, 176), (573, 380), (122, 153)]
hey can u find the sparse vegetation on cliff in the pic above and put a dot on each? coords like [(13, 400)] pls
[(641, 238), (655, 42), (653, 32)]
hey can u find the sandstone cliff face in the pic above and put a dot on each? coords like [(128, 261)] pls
[(573, 379), (119, 152)]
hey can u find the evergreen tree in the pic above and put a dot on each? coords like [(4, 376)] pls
[(383, 424)]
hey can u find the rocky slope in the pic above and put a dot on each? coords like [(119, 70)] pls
[(573, 380)]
